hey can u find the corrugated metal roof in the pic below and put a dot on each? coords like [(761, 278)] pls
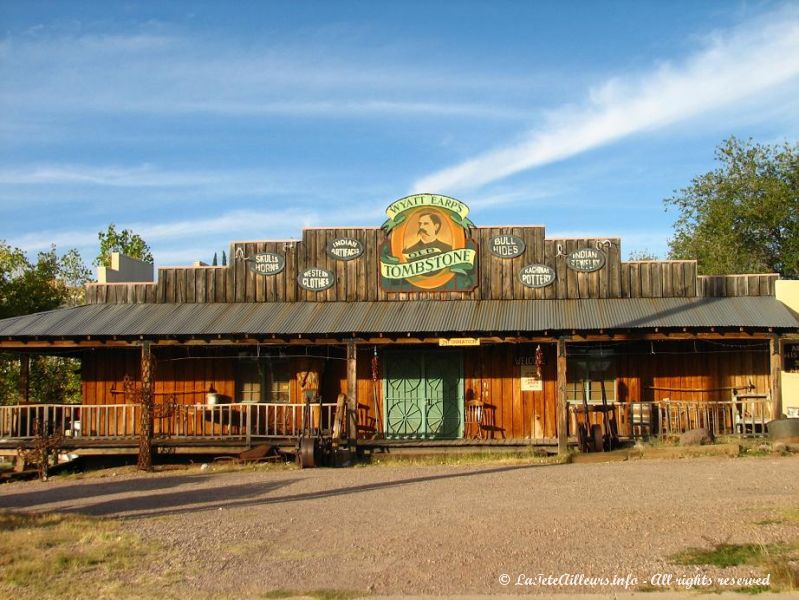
[(463, 316)]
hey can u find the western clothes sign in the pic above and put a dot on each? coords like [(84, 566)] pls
[(316, 279), (428, 246)]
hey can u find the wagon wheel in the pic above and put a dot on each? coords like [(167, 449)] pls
[(443, 420), (404, 418)]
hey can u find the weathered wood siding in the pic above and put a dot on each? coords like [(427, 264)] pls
[(690, 366), (491, 374), (358, 279)]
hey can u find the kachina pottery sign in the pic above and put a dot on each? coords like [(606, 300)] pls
[(537, 276), (428, 246)]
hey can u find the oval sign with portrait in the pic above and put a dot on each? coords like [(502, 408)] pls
[(266, 263), (506, 246), (316, 279), (344, 248), (537, 276), (586, 260), (428, 246)]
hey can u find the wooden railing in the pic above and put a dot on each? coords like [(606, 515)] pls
[(663, 418), (245, 421)]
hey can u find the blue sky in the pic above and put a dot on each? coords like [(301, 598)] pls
[(200, 123)]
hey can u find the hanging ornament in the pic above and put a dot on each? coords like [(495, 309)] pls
[(539, 360)]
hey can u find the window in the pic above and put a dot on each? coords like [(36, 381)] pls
[(589, 373), (262, 380)]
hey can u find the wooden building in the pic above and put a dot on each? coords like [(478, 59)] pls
[(436, 330)]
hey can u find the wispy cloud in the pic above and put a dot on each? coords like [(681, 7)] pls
[(175, 74), (247, 223), (731, 67)]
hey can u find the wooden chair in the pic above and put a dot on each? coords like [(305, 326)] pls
[(367, 424), (473, 425)]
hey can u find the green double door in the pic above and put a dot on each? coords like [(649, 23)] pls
[(423, 391)]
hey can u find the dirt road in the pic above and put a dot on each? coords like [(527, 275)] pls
[(438, 529)]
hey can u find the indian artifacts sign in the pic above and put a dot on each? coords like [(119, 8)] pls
[(428, 246), (586, 260), (316, 279), (266, 263), (506, 246), (344, 248), (537, 276)]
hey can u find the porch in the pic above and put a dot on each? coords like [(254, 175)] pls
[(231, 426)]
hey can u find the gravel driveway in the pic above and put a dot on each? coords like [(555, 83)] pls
[(435, 529)]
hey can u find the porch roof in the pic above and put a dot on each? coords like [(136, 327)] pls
[(426, 316)]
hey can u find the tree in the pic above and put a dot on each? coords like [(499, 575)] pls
[(27, 287), (125, 241), (214, 262), (742, 217), (644, 254), (224, 259)]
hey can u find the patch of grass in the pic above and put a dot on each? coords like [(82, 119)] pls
[(787, 516), (776, 560), (721, 555), (53, 555), (318, 594), (466, 458)]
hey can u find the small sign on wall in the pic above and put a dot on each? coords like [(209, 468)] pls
[(316, 279), (586, 260), (531, 382), (459, 341), (344, 248), (790, 357), (266, 263)]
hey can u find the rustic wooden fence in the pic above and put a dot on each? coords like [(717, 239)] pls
[(664, 418), (240, 421)]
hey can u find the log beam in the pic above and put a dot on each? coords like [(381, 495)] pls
[(352, 390), (775, 354), (562, 412)]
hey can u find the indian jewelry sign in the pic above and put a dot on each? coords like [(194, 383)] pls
[(537, 276), (316, 279), (344, 248), (428, 246), (266, 263), (506, 246), (586, 260)]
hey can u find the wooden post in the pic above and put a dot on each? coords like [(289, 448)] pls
[(562, 410), (775, 352), (145, 462), (352, 390), (24, 378)]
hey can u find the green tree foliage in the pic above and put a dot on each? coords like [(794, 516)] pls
[(742, 217), (215, 261), (125, 242), (224, 259), (644, 254), (27, 287)]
